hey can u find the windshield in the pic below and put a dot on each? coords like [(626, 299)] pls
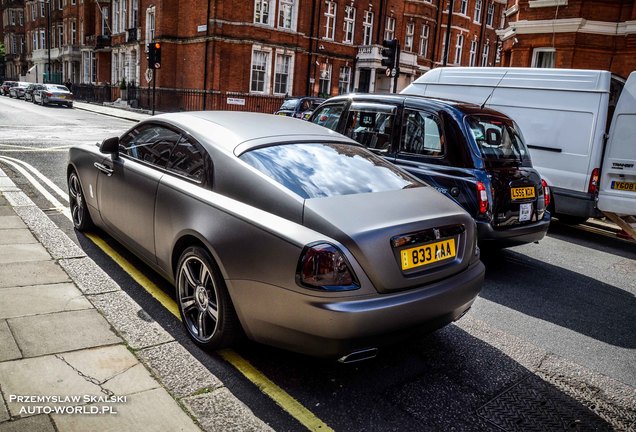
[(497, 138), (289, 104), (324, 170)]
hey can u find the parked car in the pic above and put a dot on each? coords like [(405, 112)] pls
[(6, 85), (294, 234), (301, 107), (28, 93), (17, 91), (566, 116), (475, 156), (53, 94)]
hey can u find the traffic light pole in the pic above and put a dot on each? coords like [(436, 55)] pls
[(154, 88)]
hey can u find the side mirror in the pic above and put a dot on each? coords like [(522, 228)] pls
[(110, 146)]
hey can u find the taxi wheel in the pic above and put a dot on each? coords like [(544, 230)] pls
[(205, 305)]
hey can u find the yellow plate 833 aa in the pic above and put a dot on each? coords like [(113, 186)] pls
[(427, 254)]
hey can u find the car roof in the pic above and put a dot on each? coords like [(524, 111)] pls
[(435, 103), (230, 129)]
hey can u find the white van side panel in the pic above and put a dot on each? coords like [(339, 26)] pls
[(620, 157)]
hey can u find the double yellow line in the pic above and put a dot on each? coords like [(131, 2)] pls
[(277, 394)]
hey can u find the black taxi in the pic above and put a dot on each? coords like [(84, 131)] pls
[(475, 156)]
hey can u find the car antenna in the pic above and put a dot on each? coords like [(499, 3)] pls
[(493, 89)]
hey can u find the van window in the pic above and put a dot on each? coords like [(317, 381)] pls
[(371, 129), (497, 138), (422, 134)]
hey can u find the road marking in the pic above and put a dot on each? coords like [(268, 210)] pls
[(62, 194), (256, 377)]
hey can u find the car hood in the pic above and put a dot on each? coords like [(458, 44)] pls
[(367, 223)]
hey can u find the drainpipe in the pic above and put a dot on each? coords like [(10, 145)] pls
[(437, 32), (448, 32), (205, 62), (309, 89)]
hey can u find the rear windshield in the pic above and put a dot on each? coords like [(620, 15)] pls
[(289, 104), (497, 138), (58, 87), (327, 169)]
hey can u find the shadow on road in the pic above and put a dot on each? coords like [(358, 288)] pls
[(565, 298), (574, 234)]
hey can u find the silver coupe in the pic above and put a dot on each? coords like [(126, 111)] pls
[(280, 230)]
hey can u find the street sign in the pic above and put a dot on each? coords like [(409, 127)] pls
[(388, 72), (393, 72), (149, 75)]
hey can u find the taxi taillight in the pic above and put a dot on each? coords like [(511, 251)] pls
[(482, 197), (546, 193)]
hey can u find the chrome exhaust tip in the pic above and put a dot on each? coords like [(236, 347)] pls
[(357, 356)]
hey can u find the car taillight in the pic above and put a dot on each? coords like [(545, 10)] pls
[(546, 193), (49, 94), (593, 186), (323, 266), (482, 197)]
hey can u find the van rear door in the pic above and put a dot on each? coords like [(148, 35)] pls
[(618, 176)]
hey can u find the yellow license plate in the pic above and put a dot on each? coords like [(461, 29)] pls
[(625, 186), (522, 192), (422, 255)]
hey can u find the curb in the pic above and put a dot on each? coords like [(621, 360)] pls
[(199, 392)]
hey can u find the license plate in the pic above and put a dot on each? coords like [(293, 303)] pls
[(61, 97), (625, 186), (525, 212), (422, 255), (283, 114), (522, 192)]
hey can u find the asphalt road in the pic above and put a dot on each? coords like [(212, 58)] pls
[(566, 302)]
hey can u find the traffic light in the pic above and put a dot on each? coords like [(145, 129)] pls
[(154, 55), (390, 53)]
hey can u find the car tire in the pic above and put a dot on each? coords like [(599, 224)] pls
[(79, 211), (70, 105), (205, 305)]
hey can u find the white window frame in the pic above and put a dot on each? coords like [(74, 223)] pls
[(477, 14), (259, 16), (267, 69), (42, 39), (326, 70), (331, 10), (389, 29), (344, 78), (485, 53), (459, 48), (60, 34), (104, 19), (463, 7), (490, 14), (408, 36), (538, 51), (287, 9), (116, 16), (426, 31), (367, 28), (134, 14), (349, 26), (473, 53), (150, 24), (290, 72), (73, 40)]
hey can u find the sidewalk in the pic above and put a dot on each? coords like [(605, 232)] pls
[(78, 354)]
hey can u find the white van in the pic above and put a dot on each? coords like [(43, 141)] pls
[(564, 115)]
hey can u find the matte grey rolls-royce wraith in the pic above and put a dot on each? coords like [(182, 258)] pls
[(279, 229)]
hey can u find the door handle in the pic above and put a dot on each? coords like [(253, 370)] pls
[(103, 168)]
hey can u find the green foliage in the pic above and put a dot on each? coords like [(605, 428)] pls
[(122, 84)]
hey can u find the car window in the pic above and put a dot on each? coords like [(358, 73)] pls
[(497, 138), (289, 104), (422, 134), (327, 169), (187, 159), (371, 129), (151, 144), (328, 116)]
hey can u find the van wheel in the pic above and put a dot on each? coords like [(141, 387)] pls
[(571, 220), (205, 305)]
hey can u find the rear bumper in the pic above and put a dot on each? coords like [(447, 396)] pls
[(335, 326), (516, 235)]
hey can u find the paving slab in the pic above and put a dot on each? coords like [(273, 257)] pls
[(6, 184), (16, 236), (137, 328), (88, 276), (42, 376), (179, 372), (8, 348), (3, 200), (6, 210), (4, 414), (62, 331), (11, 221), (31, 273), (150, 411), (221, 411), (40, 423), (41, 299), (114, 367), (22, 253)]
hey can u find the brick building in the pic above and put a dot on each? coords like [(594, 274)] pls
[(12, 30), (585, 34)]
